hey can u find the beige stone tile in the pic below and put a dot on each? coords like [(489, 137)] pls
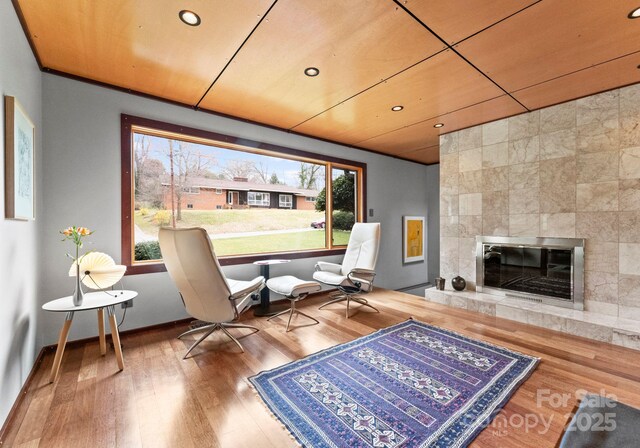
[(495, 179), (524, 201), (448, 202), (495, 202), (495, 132), (601, 196), (449, 143), (589, 330), (602, 308), (630, 162), (524, 225), (557, 323), (449, 226), (626, 339), (597, 167), (600, 226), (468, 272), (470, 204), (449, 164), (495, 155), (471, 182), (558, 172), (629, 227), (598, 137), (629, 258), (601, 256), (470, 138), (437, 297), (470, 226), (449, 257), (467, 248), (524, 175), (508, 312), (630, 101), (558, 225), (558, 185), (470, 160), (629, 191), (629, 290), (560, 200), (495, 225), (601, 286), (558, 144), (524, 150), (449, 180), (481, 307), (459, 302), (524, 125), (599, 108), (629, 132), (556, 118), (629, 312)]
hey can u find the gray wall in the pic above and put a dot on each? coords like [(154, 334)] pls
[(82, 187), (21, 78)]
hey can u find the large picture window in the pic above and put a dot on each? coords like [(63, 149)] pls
[(244, 191), (258, 199)]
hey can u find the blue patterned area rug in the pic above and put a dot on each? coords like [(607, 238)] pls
[(409, 385)]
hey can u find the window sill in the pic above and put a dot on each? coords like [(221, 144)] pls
[(151, 267)]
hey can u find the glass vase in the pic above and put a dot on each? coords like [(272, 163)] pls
[(78, 295)]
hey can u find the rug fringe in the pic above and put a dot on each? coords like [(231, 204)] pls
[(273, 416)]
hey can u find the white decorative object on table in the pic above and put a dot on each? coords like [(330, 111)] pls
[(97, 270)]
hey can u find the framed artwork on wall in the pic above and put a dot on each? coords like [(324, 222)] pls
[(413, 239), (19, 161)]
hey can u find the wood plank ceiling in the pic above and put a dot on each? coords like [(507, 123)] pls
[(454, 62)]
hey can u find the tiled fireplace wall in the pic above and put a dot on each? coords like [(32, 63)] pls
[(571, 170)]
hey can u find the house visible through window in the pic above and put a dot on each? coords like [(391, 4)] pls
[(253, 199)]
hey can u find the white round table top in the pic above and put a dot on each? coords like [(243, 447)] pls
[(267, 262), (91, 301)]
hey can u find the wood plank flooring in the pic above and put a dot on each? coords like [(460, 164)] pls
[(161, 400)]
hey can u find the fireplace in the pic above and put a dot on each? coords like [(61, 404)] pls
[(544, 270)]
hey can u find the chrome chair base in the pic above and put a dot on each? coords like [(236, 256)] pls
[(210, 329), (343, 296), (293, 310)]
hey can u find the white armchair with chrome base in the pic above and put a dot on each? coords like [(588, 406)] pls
[(207, 294), (356, 273)]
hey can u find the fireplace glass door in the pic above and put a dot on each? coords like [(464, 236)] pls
[(530, 270)]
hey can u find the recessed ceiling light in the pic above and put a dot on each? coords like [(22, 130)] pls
[(311, 71), (189, 17), (634, 14), (438, 125), (397, 108)]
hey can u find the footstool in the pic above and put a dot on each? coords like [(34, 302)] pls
[(293, 289)]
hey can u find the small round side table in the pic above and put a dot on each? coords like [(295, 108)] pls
[(92, 301)]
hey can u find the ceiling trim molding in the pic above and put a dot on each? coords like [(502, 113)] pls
[(25, 29)]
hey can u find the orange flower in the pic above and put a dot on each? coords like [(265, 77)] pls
[(84, 231), (68, 231)]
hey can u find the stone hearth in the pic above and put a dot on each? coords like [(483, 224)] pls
[(615, 330)]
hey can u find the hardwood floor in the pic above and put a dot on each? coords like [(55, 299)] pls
[(160, 400)]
